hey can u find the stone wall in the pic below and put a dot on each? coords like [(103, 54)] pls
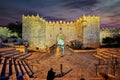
[(34, 31), (54, 29), (43, 34), (91, 32), (108, 32)]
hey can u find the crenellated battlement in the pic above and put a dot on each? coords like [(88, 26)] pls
[(40, 32), (79, 20), (33, 18), (60, 22)]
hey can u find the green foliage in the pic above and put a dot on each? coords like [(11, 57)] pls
[(11, 30), (13, 36), (117, 39), (111, 41), (15, 28), (4, 32)]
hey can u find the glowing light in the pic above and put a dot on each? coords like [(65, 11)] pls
[(61, 41)]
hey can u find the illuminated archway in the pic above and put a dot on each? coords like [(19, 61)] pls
[(61, 39), (60, 42)]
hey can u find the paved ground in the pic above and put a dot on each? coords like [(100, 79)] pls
[(76, 64)]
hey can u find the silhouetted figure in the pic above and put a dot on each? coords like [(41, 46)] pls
[(104, 76), (82, 78), (50, 75)]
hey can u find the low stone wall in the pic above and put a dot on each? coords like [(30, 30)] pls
[(35, 49), (82, 51), (20, 48)]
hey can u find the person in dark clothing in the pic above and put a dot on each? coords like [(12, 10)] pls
[(51, 74), (82, 78)]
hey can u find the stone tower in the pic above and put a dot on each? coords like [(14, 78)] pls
[(91, 31), (42, 34), (33, 31)]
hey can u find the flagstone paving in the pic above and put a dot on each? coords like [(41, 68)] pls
[(36, 66), (78, 64)]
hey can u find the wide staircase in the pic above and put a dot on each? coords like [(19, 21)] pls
[(14, 65), (108, 62)]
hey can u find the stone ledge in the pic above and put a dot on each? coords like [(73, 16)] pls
[(22, 49), (82, 51), (34, 49)]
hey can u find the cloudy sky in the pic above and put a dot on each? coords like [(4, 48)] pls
[(69, 10)]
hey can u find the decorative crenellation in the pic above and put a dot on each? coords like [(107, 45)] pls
[(41, 33), (91, 30), (108, 32), (40, 19)]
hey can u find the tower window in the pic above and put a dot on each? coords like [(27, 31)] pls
[(60, 28)]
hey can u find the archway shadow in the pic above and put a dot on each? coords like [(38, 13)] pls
[(63, 74)]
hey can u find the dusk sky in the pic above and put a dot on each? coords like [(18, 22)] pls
[(69, 10)]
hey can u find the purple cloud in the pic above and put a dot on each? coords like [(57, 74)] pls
[(12, 10)]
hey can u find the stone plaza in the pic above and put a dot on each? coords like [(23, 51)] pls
[(15, 65), (49, 47)]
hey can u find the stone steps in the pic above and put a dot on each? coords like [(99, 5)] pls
[(11, 55), (99, 57), (11, 66), (28, 70), (25, 56), (13, 71), (5, 69), (18, 56), (71, 78), (1, 65), (17, 69), (24, 73), (6, 49), (111, 61)]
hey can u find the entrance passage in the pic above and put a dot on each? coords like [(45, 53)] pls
[(60, 47), (60, 41)]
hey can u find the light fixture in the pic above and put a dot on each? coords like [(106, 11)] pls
[(84, 23)]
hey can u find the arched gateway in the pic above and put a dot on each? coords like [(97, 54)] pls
[(41, 33), (60, 44)]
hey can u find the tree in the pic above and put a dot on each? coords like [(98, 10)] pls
[(15, 27), (4, 32), (108, 40), (117, 39)]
